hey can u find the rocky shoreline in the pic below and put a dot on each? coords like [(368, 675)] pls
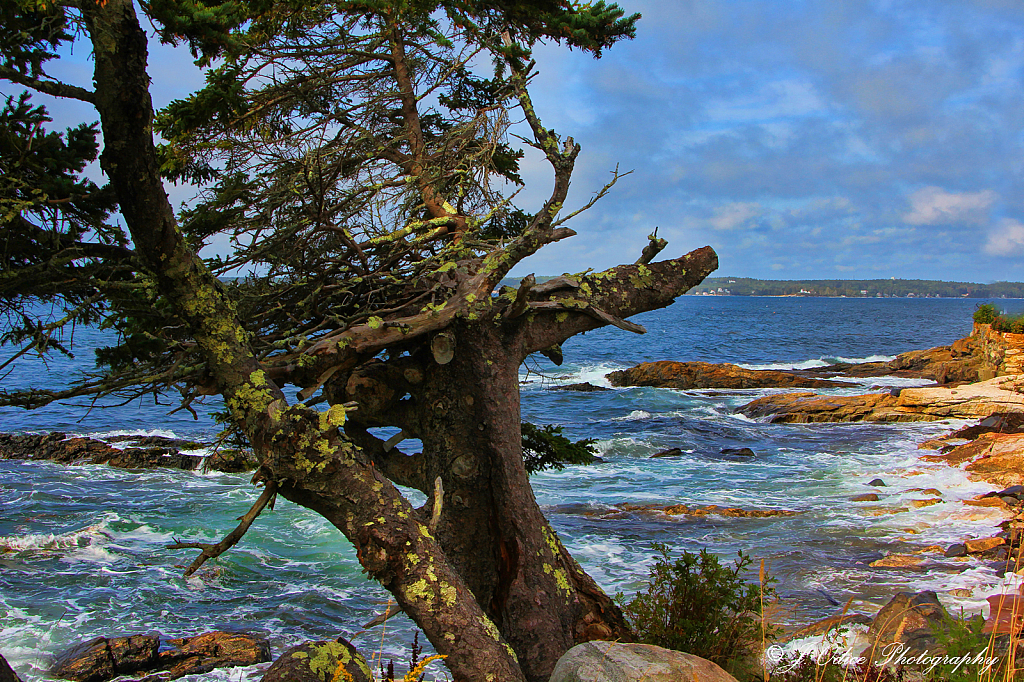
[(976, 378)]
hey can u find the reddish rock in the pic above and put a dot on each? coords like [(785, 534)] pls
[(982, 544), (1006, 614), (158, 452), (104, 659), (205, 652), (866, 497), (686, 510), (688, 375), (997, 458)]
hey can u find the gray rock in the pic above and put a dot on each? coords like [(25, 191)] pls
[(318, 662), (739, 452), (618, 662), (671, 452), (909, 621), (878, 483), (956, 550)]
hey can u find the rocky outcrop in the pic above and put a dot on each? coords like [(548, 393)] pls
[(971, 401), (619, 662), (961, 362), (102, 659), (687, 510), (142, 452), (689, 375), (584, 387), (319, 662), (997, 458)]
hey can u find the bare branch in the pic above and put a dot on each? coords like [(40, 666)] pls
[(654, 246), (55, 88), (214, 551)]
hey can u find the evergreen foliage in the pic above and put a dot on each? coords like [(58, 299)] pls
[(696, 605), (546, 448)]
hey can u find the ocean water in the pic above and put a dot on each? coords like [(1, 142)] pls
[(82, 549)]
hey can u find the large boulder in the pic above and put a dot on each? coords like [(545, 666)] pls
[(619, 662), (687, 375), (963, 361), (996, 458), (211, 650), (907, 625), (7, 673), (104, 659), (318, 662), (969, 401)]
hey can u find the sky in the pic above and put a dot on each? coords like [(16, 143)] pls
[(804, 139)]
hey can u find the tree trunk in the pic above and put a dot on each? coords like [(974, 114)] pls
[(491, 528)]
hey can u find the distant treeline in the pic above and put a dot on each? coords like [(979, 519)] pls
[(880, 288)]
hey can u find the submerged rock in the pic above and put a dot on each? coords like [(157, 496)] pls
[(585, 387), (687, 510), (689, 375), (319, 662), (620, 662)]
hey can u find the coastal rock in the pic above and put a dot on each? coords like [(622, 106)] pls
[(104, 659), (319, 662), (898, 561), (739, 452), (982, 544), (620, 662), (866, 497), (585, 387), (877, 482), (671, 452), (686, 510), (964, 361), (970, 401), (911, 620), (997, 458), (826, 625), (158, 452), (689, 375), (7, 673), (210, 650)]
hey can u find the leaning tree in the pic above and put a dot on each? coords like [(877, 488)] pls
[(357, 166)]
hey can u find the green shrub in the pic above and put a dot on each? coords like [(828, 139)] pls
[(544, 447), (1001, 322), (986, 313), (697, 605)]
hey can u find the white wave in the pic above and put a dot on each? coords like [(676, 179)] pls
[(51, 541), (592, 374), (823, 361), (142, 433), (635, 415)]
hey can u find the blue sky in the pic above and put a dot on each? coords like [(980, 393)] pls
[(800, 139)]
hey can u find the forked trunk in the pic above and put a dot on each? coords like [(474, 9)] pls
[(491, 528)]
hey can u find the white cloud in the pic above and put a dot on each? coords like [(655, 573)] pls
[(1007, 239), (734, 215), (935, 206)]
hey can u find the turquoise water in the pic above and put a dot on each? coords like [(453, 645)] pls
[(86, 544)]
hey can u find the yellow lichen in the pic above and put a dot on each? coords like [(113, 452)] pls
[(420, 590)]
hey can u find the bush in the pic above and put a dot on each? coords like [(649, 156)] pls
[(989, 314), (696, 605), (985, 314)]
